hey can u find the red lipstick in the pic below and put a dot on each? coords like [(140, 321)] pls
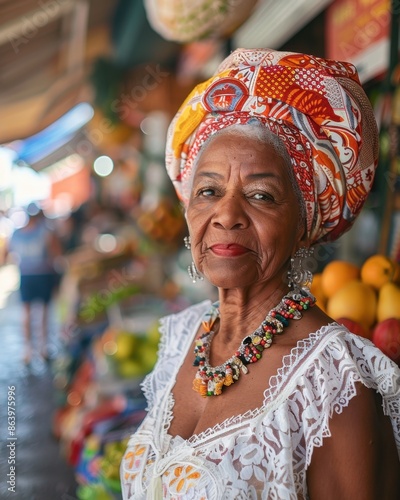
[(229, 250)]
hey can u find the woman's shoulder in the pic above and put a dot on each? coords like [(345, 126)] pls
[(333, 360), (324, 368), (325, 354), (319, 335)]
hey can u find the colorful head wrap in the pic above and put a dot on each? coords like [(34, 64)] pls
[(318, 109)]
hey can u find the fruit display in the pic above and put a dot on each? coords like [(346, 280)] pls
[(378, 270), (355, 327), (98, 467), (386, 336), (103, 405), (107, 354), (163, 224), (356, 301), (336, 274), (364, 298), (389, 302), (130, 354), (110, 463)]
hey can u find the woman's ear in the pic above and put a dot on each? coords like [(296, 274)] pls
[(183, 208), (303, 237)]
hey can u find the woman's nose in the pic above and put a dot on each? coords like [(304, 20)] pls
[(230, 213)]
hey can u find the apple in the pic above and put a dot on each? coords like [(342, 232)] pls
[(386, 336), (354, 327)]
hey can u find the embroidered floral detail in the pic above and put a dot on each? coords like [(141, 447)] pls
[(132, 462), (184, 478), (131, 457)]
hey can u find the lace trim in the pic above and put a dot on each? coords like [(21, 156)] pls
[(169, 412), (280, 386), (385, 379), (289, 363), (296, 355), (147, 381)]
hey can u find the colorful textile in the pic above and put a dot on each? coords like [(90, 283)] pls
[(318, 109)]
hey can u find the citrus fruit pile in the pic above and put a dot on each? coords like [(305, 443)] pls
[(366, 299)]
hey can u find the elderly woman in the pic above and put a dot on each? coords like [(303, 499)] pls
[(261, 395)]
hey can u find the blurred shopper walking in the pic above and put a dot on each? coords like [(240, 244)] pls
[(34, 248)]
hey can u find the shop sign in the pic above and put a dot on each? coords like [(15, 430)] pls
[(358, 31), (70, 184)]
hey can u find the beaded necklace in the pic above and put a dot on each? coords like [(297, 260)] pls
[(210, 380)]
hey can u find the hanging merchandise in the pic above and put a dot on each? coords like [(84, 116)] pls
[(183, 21)]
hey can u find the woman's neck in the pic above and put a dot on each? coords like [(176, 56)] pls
[(242, 311)]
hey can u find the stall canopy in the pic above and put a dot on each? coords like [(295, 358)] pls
[(48, 48)]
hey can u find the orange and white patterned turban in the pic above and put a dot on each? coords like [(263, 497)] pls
[(318, 109)]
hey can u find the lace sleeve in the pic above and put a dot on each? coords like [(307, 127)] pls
[(329, 384)]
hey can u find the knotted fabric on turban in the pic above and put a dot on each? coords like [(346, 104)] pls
[(318, 109)]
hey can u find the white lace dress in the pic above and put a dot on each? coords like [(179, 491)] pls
[(263, 454)]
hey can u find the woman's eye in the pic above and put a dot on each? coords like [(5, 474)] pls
[(263, 197), (206, 192)]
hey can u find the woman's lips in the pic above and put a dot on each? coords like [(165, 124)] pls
[(230, 250)]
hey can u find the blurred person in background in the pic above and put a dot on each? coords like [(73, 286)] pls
[(34, 248)]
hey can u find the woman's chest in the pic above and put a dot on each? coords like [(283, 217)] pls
[(193, 413), (247, 458)]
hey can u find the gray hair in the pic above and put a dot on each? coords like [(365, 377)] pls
[(258, 131)]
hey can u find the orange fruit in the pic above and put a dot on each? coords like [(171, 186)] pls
[(336, 274), (378, 270), (356, 301)]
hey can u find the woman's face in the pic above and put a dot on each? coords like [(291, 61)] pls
[(243, 213)]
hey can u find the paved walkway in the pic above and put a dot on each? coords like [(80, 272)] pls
[(41, 473)]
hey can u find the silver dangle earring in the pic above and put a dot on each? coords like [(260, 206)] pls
[(299, 276), (194, 273), (192, 269)]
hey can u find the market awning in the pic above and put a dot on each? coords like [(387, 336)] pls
[(47, 51)]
